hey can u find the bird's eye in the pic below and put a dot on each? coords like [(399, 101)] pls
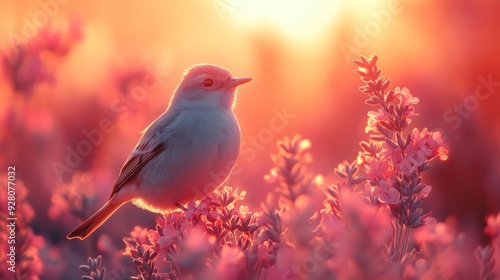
[(208, 82)]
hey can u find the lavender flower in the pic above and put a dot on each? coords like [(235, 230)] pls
[(28, 64), (94, 269), (75, 198), (290, 170), (209, 237), (393, 161), (144, 257), (28, 264)]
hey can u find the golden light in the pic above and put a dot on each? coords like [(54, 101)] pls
[(299, 19)]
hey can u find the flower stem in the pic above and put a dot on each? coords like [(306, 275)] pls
[(405, 242)]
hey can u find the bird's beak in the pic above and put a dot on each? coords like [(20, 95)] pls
[(238, 81)]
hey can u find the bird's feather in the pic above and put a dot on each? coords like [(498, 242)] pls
[(150, 145)]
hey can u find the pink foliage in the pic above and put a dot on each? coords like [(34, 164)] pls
[(18, 234)]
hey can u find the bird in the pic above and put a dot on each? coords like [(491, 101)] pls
[(188, 150)]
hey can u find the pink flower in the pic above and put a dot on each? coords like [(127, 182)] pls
[(435, 233), (153, 236), (30, 63), (244, 211), (373, 222), (416, 270), (232, 262), (390, 196), (374, 118), (227, 197), (77, 197), (423, 147), (172, 228), (405, 97), (391, 153), (265, 254), (163, 243), (492, 225), (371, 192), (29, 264), (194, 210), (198, 243), (140, 234), (379, 169), (411, 162), (239, 194), (431, 143), (425, 192)]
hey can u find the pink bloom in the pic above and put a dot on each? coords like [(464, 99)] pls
[(30, 64), (385, 185), (194, 210), (425, 192), (374, 118), (29, 264), (197, 242), (239, 194), (430, 142), (390, 196), (163, 243), (232, 262), (374, 222), (212, 216), (405, 97), (411, 163), (173, 227), (492, 226), (435, 233), (140, 234), (105, 244), (244, 211), (393, 154), (153, 236), (372, 192), (379, 169), (424, 146), (416, 270), (75, 197), (265, 255)]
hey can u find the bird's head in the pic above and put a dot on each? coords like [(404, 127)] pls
[(207, 86)]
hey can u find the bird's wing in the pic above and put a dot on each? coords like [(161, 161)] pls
[(152, 143)]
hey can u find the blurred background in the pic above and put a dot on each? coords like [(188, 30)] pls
[(80, 80)]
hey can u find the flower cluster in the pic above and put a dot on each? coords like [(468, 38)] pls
[(290, 168), (393, 159), (212, 237), (94, 269), (29, 63), (27, 262), (75, 198)]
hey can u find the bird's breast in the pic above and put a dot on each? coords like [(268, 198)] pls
[(212, 130), (200, 155)]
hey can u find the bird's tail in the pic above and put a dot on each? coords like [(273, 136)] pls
[(96, 220)]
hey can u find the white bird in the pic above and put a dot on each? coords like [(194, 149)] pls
[(183, 152)]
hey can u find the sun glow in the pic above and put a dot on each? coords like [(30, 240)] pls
[(297, 18)]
